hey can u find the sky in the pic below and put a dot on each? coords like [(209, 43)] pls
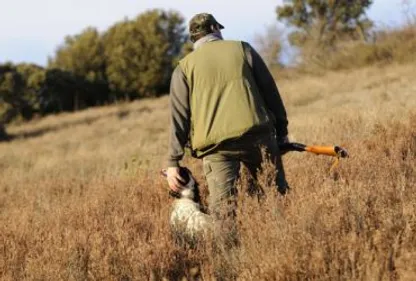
[(31, 30)]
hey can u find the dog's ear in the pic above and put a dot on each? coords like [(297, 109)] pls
[(185, 174)]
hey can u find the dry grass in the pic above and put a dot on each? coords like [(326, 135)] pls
[(81, 199)]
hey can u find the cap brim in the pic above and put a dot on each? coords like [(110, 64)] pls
[(220, 26)]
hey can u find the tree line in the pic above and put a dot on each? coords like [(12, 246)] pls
[(134, 58)]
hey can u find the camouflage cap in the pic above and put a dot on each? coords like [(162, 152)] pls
[(201, 23)]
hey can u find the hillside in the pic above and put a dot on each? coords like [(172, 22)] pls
[(81, 197)]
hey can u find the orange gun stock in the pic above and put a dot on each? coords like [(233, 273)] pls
[(325, 150), (335, 151)]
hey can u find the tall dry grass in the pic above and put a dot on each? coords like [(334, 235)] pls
[(81, 198)]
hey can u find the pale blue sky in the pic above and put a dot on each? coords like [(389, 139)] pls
[(30, 30)]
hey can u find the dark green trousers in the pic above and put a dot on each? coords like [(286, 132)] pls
[(222, 168)]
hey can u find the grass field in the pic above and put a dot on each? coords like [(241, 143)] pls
[(81, 197)]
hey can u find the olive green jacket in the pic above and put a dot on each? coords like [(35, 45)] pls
[(220, 92)]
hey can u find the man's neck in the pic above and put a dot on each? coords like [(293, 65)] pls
[(208, 38)]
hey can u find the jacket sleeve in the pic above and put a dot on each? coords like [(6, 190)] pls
[(268, 89), (179, 117)]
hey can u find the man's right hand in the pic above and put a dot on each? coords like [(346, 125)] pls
[(282, 140), (174, 179)]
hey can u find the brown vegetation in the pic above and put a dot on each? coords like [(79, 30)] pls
[(386, 46), (81, 198)]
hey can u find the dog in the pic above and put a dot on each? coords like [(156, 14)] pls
[(187, 219)]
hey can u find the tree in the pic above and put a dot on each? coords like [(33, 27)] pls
[(60, 91), (269, 45), (34, 79), (325, 21), (140, 53), (12, 103), (83, 56), (3, 133)]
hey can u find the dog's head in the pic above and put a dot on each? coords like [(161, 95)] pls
[(191, 188)]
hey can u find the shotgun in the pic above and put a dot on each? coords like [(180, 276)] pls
[(335, 151)]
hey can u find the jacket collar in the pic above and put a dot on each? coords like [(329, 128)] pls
[(208, 38)]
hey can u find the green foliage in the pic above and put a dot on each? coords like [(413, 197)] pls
[(62, 91), (27, 89), (140, 53), (34, 78), (325, 21), (83, 56), (3, 133), (133, 59), (13, 101)]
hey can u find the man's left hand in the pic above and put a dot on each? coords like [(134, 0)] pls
[(174, 179)]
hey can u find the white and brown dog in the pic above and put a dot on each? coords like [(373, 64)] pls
[(187, 218)]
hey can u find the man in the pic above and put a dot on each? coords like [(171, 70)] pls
[(225, 101)]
